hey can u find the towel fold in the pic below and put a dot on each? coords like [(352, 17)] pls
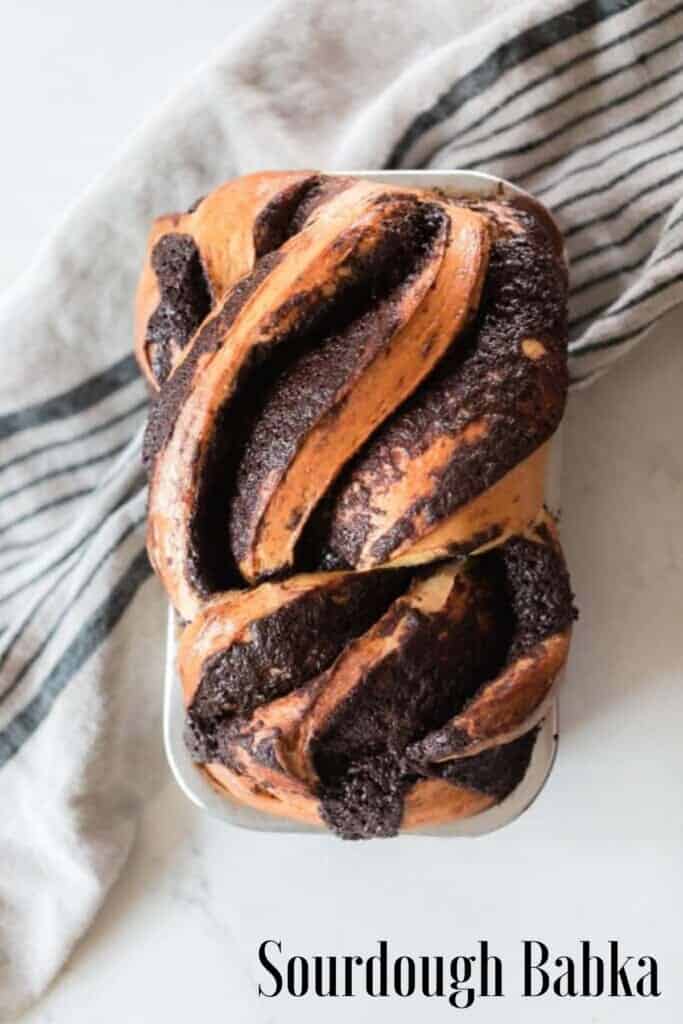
[(581, 104)]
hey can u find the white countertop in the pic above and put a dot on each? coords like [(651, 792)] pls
[(599, 854)]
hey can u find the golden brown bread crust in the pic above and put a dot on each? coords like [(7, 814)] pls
[(427, 315), (273, 756), (291, 630), (313, 269), (224, 228), (492, 403), (427, 803), (501, 511), (355, 376), (513, 702)]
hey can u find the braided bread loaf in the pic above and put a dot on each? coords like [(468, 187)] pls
[(357, 384)]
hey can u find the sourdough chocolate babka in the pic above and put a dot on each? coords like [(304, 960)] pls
[(355, 385)]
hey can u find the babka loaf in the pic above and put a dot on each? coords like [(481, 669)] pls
[(355, 388)]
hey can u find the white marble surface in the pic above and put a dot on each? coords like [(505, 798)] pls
[(599, 854)]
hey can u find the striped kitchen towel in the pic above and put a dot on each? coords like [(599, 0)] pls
[(581, 103)]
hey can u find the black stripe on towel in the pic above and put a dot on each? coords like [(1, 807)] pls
[(64, 556), (505, 57), (594, 140), (130, 527), (652, 158), (73, 467), (557, 101), (84, 395), (84, 435), (573, 122), (625, 268), (614, 342), (90, 637), (615, 211), (626, 239), (625, 148), (44, 508)]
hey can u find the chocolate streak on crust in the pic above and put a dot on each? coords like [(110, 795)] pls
[(539, 591), (274, 224), (288, 212), (439, 663), (209, 564), (318, 268), (166, 406), (496, 772), (373, 746), (212, 245), (298, 388), (193, 207), (349, 746), (284, 649), (184, 300), (517, 214), (539, 595), (375, 690), (510, 403), (186, 442)]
